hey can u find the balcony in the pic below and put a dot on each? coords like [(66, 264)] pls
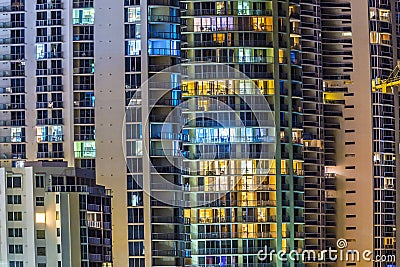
[(84, 137), (9, 139), (163, 3), (49, 88), (163, 18), (84, 53), (49, 6), (50, 121), (12, 24), (49, 39), (55, 71), (84, 70), (12, 73), (50, 155), (164, 35), (83, 21), (15, 7), (84, 121), (83, 3), (49, 104), (50, 138), (12, 106), (9, 57), (13, 40), (48, 55), (12, 122), (83, 37), (164, 52), (49, 22), (235, 12)]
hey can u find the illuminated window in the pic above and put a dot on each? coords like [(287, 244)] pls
[(40, 51), (84, 16), (134, 48), (213, 24), (372, 13), (243, 8), (133, 14), (40, 217), (384, 15), (374, 37), (385, 38), (16, 135), (86, 149), (262, 23)]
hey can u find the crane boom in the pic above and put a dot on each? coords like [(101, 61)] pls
[(386, 85)]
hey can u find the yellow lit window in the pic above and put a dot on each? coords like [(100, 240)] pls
[(262, 24), (374, 37)]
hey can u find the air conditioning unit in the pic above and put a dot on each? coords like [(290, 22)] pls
[(8, 90)]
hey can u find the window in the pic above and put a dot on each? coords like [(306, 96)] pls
[(15, 216), (134, 47), (14, 232), (58, 232), (14, 182), (14, 199), (136, 249), (40, 234), (58, 248), (15, 249), (16, 264), (17, 135), (83, 16), (40, 201), (133, 14), (39, 181), (41, 251)]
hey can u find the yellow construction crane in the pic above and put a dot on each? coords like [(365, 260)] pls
[(385, 85)]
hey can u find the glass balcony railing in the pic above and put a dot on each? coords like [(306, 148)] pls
[(49, 6), (83, 21)]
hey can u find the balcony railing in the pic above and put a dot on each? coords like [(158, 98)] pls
[(46, 55), (50, 121), (12, 8), (48, 155), (164, 35), (49, 22), (238, 12), (83, 37), (12, 106), (51, 38), (49, 6), (53, 71), (163, 18), (12, 24), (49, 88), (12, 40), (163, 2)]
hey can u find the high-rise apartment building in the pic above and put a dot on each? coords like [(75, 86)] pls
[(366, 168), (263, 209), (53, 215), (48, 82), (326, 46)]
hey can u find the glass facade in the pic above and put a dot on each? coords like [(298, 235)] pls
[(264, 205)]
